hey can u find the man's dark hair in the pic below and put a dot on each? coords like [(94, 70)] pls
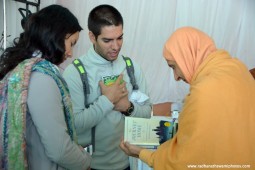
[(45, 31), (103, 15)]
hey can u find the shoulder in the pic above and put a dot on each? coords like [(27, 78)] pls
[(133, 61), (42, 81), (70, 70), (44, 86)]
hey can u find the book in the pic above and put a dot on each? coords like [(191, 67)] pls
[(149, 133), (109, 80), (166, 130)]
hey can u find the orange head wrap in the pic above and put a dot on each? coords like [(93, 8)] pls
[(188, 47)]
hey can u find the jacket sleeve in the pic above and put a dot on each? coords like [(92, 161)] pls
[(46, 109), (87, 118), (145, 109)]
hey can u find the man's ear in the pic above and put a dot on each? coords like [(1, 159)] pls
[(92, 37)]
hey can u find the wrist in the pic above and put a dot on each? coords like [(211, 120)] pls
[(138, 151), (129, 110)]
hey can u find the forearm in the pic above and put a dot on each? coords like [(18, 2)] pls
[(147, 156), (155, 158), (87, 118), (73, 157), (142, 110)]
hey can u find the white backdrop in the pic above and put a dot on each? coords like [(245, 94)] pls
[(148, 24)]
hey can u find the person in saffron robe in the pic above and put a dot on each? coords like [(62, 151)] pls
[(216, 124)]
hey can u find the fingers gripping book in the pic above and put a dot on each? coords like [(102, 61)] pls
[(109, 80), (149, 132)]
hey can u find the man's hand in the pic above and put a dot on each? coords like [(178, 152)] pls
[(115, 91), (122, 105)]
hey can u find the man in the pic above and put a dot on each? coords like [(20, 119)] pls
[(108, 104)]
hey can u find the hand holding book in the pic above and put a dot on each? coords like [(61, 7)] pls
[(109, 80), (129, 149), (149, 133), (114, 91)]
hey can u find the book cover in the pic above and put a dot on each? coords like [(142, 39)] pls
[(109, 80), (166, 130), (148, 133)]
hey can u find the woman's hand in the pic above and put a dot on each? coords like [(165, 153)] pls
[(129, 149)]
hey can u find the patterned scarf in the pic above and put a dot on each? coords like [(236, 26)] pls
[(13, 109)]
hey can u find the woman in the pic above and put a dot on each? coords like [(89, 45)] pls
[(36, 112), (216, 125)]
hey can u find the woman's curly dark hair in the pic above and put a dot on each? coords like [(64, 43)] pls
[(45, 31)]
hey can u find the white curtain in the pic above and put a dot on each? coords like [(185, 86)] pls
[(148, 24), (13, 17)]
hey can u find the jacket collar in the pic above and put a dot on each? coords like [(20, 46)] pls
[(95, 58)]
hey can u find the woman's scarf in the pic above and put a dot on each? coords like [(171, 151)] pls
[(13, 110), (188, 47)]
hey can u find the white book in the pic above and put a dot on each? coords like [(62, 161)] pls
[(143, 131), (140, 131)]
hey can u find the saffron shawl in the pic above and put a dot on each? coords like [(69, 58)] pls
[(188, 47), (13, 110), (216, 124)]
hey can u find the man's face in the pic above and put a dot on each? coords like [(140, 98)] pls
[(108, 44)]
